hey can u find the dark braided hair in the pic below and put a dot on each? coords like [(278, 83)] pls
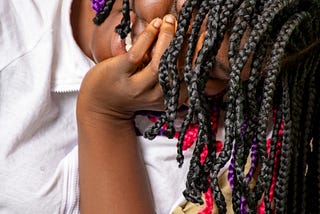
[(283, 51), (104, 10)]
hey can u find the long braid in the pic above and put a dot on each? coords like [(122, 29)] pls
[(241, 23), (278, 118), (281, 188), (305, 140), (297, 109), (233, 90), (312, 205), (309, 127), (204, 7), (124, 27), (197, 97), (272, 72), (295, 127), (188, 78), (168, 61), (235, 77), (253, 108), (225, 17)]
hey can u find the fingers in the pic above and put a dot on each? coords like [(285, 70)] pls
[(139, 49), (147, 78), (166, 34)]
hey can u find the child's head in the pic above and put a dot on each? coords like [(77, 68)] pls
[(276, 43), (123, 17), (118, 23)]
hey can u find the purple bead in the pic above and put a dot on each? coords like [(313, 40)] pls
[(97, 5)]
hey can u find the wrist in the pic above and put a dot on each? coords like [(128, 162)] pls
[(89, 110), (111, 119)]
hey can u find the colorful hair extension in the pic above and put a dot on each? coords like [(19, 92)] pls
[(97, 5)]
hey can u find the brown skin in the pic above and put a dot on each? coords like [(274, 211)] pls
[(112, 175), (113, 178)]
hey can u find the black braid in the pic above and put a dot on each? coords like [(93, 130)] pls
[(272, 71), (306, 124), (281, 188), (225, 17), (312, 203), (297, 109), (124, 27), (272, 153), (168, 63), (187, 75), (241, 23)]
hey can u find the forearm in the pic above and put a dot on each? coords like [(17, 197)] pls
[(113, 178)]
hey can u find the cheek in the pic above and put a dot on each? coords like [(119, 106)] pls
[(150, 9), (180, 4), (99, 47), (101, 42)]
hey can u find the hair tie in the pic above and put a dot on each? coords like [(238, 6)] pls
[(97, 5)]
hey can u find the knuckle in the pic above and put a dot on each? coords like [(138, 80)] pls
[(146, 36), (154, 65), (133, 57), (167, 33), (134, 93), (157, 96)]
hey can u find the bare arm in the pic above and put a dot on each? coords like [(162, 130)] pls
[(113, 178), (112, 174)]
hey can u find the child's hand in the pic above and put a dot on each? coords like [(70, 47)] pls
[(109, 152), (116, 87)]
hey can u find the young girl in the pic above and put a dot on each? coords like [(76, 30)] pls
[(269, 48), (133, 79), (41, 69), (40, 74)]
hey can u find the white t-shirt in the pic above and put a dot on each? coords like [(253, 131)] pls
[(41, 69)]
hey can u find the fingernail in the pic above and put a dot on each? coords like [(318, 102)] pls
[(169, 19), (157, 23)]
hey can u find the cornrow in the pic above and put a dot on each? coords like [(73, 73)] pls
[(271, 118)]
